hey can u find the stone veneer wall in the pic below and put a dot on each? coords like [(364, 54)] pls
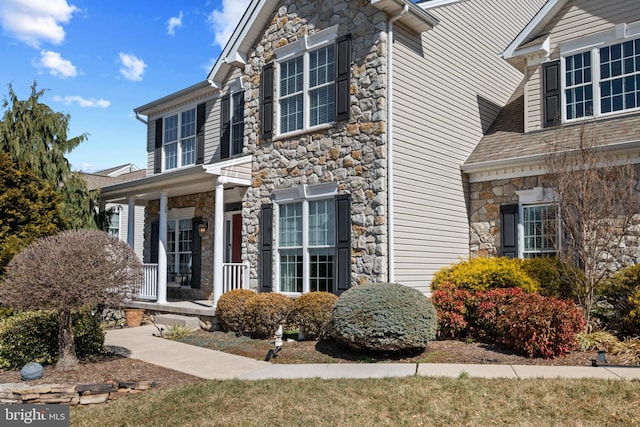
[(204, 207), (485, 199), (353, 153)]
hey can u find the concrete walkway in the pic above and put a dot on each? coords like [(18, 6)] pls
[(139, 343)]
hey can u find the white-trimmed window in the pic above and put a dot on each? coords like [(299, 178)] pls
[(602, 80), (113, 227), (306, 79), (538, 223), (306, 242), (237, 123), (179, 139), (179, 246), (540, 230)]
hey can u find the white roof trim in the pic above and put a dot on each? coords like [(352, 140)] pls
[(539, 20), (436, 3)]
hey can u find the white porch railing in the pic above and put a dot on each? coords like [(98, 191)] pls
[(148, 289), (235, 276)]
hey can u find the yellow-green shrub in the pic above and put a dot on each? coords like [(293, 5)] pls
[(312, 312), (264, 312), (481, 274), (230, 309), (551, 275), (621, 294)]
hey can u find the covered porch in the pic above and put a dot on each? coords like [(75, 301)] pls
[(192, 231)]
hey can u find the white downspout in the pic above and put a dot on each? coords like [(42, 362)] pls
[(390, 227)]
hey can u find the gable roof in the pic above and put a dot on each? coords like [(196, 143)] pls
[(533, 28), (259, 12)]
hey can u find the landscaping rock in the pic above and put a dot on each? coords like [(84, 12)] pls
[(31, 371)]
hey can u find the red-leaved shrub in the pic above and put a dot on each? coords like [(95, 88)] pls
[(540, 326), (531, 324), (451, 306)]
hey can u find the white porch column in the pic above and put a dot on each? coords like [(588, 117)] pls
[(131, 222), (162, 251), (218, 240)]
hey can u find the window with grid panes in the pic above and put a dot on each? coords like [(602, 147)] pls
[(179, 139)]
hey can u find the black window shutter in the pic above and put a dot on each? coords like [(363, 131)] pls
[(551, 93), (343, 77), (266, 100), (157, 154), (509, 231), (266, 248), (343, 243), (155, 242), (225, 127), (200, 119), (196, 253)]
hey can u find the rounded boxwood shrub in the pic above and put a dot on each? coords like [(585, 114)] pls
[(481, 274), (32, 336), (230, 309), (312, 312), (384, 317), (264, 312)]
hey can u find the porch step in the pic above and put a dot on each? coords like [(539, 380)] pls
[(166, 320)]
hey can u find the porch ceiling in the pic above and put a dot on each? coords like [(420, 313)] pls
[(189, 180)]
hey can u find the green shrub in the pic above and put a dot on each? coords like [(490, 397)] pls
[(600, 341), (481, 274), (618, 305), (312, 312), (550, 274), (230, 309), (177, 332), (32, 336), (264, 312), (384, 316)]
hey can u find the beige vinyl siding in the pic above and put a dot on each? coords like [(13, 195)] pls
[(577, 19), (212, 127), (449, 85), (533, 99)]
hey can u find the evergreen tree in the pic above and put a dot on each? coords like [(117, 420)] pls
[(29, 209), (32, 133)]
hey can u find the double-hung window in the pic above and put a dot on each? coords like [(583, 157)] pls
[(540, 226), (237, 123), (602, 80), (180, 139), (306, 245), (113, 226), (307, 82)]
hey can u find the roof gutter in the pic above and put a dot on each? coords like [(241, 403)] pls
[(390, 216)]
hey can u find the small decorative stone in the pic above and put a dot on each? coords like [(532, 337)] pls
[(31, 371)]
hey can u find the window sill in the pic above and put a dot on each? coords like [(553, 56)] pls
[(301, 132)]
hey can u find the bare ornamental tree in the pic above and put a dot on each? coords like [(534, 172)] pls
[(68, 272), (598, 196)]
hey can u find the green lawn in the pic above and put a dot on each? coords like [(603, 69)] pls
[(415, 401)]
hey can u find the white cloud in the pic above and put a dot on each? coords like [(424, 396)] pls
[(36, 21), (132, 68), (173, 23), (224, 21), (57, 66), (83, 102)]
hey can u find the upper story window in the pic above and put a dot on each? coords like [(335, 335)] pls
[(602, 80), (179, 139), (232, 122), (307, 90)]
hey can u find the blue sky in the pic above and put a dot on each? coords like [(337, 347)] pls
[(99, 60)]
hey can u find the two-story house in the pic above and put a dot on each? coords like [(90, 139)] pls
[(324, 148), (581, 62)]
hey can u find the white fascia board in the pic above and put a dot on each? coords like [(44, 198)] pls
[(257, 9), (436, 3), (544, 15), (417, 19), (199, 89)]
